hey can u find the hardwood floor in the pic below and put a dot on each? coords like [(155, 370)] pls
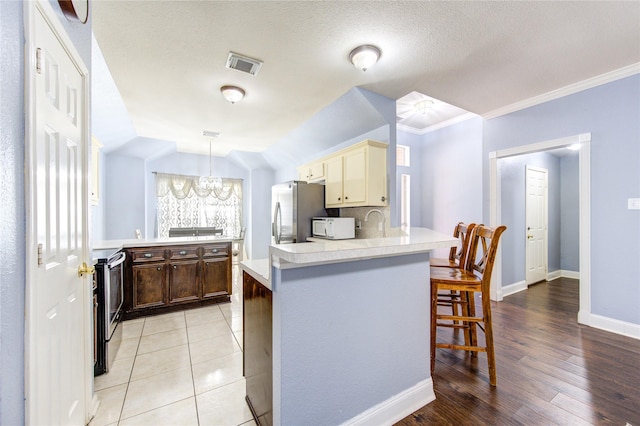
[(551, 370)]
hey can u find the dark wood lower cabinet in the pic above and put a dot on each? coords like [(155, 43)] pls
[(148, 285), (216, 270), (162, 279), (183, 281), (257, 334), (215, 280)]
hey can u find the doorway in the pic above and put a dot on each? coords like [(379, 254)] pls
[(584, 216), (536, 220)]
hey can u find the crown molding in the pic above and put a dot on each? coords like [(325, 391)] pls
[(442, 124), (567, 90)]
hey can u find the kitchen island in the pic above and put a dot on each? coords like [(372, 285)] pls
[(348, 340), (165, 274)]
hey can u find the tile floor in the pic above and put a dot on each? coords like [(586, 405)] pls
[(182, 368)]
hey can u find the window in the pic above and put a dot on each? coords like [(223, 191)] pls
[(405, 202), (184, 203), (402, 155)]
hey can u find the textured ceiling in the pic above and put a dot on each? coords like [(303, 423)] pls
[(168, 58)]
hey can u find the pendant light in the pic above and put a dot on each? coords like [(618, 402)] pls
[(210, 182)]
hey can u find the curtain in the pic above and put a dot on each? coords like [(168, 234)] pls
[(184, 202)]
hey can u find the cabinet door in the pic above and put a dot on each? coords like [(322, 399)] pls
[(148, 285), (216, 276), (316, 171), (355, 177), (333, 182), (303, 173), (258, 336), (183, 281)]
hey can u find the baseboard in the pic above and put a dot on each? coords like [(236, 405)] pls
[(554, 275), (398, 406), (522, 285), (563, 273), (93, 408), (570, 274), (609, 324), (513, 288)]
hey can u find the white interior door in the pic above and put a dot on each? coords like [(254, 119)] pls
[(536, 222), (58, 300)]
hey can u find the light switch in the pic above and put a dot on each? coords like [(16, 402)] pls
[(633, 203)]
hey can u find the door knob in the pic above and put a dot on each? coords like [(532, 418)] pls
[(85, 269), (529, 236)]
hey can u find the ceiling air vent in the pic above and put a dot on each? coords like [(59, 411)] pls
[(243, 63)]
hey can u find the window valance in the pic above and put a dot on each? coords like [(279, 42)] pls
[(181, 185)]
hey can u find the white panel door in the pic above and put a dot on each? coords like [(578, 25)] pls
[(536, 222), (58, 299)]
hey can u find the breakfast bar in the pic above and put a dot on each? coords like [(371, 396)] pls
[(348, 340)]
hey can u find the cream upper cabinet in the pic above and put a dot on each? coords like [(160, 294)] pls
[(357, 176), (312, 172), (333, 182)]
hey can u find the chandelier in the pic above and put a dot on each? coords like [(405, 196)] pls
[(210, 182)]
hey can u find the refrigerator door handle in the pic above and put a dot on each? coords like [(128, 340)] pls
[(277, 220)]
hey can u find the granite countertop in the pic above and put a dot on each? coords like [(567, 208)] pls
[(153, 242), (320, 251), (415, 240)]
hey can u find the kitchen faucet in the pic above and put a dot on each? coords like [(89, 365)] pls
[(366, 218)]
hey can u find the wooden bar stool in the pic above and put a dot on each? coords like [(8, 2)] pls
[(476, 278), (457, 255), (457, 258)]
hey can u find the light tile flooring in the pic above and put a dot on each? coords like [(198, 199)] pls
[(182, 368)]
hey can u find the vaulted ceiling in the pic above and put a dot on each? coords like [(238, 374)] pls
[(167, 59)]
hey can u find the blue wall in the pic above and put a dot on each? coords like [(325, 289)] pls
[(259, 213), (124, 196), (332, 336), (12, 215), (97, 212), (569, 214), (415, 144), (451, 187), (610, 112)]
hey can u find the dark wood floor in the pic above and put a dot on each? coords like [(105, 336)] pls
[(550, 369)]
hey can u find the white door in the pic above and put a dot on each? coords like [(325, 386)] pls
[(58, 330), (536, 223)]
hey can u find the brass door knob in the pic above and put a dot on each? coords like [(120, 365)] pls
[(85, 269), (529, 236)]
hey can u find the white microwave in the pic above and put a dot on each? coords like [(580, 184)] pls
[(334, 228)]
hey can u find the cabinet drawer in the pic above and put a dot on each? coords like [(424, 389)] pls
[(147, 255), (216, 250), (178, 253)]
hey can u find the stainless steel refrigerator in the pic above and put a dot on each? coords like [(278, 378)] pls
[(293, 204)]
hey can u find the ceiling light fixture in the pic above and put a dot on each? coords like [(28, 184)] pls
[(232, 93), (364, 57), (424, 106)]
